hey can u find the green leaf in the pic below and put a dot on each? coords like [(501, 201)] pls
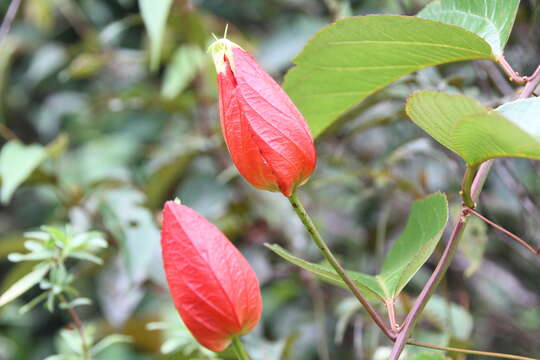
[(416, 243), (351, 59), (523, 113), (369, 285), (471, 130), (184, 66), (154, 14), (413, 248), (17, 161), (491, 19), (24, 284)]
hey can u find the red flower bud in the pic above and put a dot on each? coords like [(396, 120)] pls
[(267, 137), (213, 287)]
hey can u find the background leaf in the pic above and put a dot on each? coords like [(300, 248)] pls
[(17, 161), (24, 284), (351, 59), (471, 130), (490, 19), (154, 14), (186, 62)]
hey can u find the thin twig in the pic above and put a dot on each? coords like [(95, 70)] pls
[(472, 352), (430, 287), (327, 253), (507, 232), (79, 326), (391, 310), (6, 133), (8, 19), (512, 74)]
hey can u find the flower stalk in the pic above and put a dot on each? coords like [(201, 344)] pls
[(327, 253)]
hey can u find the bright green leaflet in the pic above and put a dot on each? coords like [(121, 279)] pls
[(347, 61), (417, 242), (412, 249), (17, 161), (154, 14), (492, 20), (473, 131)]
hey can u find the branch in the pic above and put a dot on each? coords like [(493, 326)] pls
[(472, 352), (507, 232), (8, 19)]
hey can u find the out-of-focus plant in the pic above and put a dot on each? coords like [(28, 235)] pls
[(53, 248)]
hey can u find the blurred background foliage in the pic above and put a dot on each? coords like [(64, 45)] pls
[(119, 124)]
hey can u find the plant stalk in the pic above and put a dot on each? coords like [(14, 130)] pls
[(316, 236), (8, 19), (79, 326), (239, 349), (472, 352), (466, 187)]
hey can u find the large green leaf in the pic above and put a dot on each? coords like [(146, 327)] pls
[(154, 14), (416, 243), (473, 131), (17, 161), (413, 248), (490, 19), (354, 57)]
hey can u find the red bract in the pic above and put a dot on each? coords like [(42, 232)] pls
[(267, 137), (213, 287)]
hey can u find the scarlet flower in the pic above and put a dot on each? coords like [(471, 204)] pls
[(213, 287), (267, 137)]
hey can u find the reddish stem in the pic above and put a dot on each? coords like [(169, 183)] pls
[(507, 232)]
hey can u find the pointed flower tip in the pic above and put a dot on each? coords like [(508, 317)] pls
[(219, 49)]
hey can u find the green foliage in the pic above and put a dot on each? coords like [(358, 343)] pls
[(353, 58), (154, 14), (492, 20), (471, 130), (52, 247), (186, 62), (17, 161), (412, 249), (119, 97)]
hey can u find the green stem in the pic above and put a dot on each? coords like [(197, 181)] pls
[(86, 355), (239, 349), (466, 187), (316, 236)]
